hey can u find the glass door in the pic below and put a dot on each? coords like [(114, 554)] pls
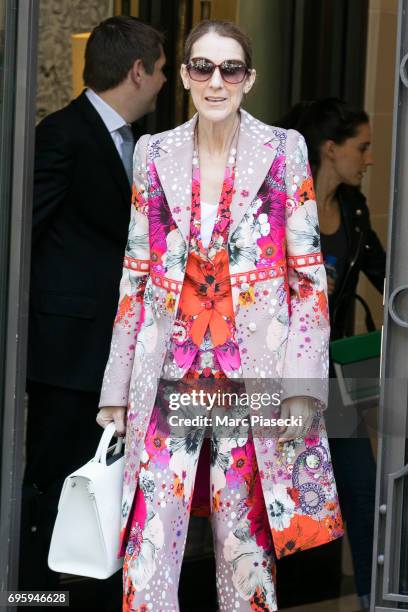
[(18, 33), (390, 564), (7, 81)]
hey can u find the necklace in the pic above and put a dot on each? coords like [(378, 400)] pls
[(220, 230)]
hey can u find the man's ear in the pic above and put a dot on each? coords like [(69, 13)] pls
[(137, 72)]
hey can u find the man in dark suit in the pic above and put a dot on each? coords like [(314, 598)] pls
[(81, 211)]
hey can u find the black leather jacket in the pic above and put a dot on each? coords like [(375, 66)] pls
[(366, 254)]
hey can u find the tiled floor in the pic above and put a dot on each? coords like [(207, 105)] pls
[(107, 598), (348, 603)]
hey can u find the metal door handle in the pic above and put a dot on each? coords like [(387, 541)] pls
[(391, 307), (402, 71)]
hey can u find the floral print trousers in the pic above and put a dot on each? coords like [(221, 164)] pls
[(245, 561)]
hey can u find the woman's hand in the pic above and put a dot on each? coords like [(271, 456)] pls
[(116, 414), (330, 285), (301, 408)]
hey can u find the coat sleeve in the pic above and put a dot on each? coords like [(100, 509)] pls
[(55, 158), (306, 362), (135, 272)]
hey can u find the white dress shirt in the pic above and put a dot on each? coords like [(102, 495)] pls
[(208, 216), (109, 116)]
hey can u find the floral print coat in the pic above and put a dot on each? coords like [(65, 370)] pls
[(279, 301)]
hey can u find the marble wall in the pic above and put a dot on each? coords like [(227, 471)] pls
[(379, 103), (58, 20)]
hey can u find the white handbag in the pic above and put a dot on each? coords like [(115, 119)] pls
[(85, 540)]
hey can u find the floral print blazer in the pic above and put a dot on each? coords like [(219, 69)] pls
[(279, 299)]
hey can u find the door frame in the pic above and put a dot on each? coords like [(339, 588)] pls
[(22, 19), (393, 417)]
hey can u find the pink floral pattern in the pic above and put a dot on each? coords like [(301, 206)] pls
[(242, 468)]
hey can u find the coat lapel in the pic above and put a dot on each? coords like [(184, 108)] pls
[(106, 146), (174, 167), (256, 150)]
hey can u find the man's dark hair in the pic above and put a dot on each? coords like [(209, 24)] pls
[(114, 46)]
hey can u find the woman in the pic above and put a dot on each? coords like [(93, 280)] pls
[(219, 288), (338, 140)]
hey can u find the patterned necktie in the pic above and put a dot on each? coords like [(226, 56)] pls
[(128, 146)]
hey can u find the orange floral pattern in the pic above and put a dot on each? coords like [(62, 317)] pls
[(205, 308)]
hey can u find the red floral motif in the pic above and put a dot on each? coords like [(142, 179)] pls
[(156, 445), (333, 521), (243, 466), (128, 592), (161, 222), (124, 308), (294, 495), (155, 256), (258, 601), (305, 191), (206, 300), (268, 248), (305, 286), (312, 439), (304, 532), (246, 298), (140, 510), (223, 213), (258, 517), (138, 201), (322, 304)]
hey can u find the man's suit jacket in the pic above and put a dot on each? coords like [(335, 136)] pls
[(279, 296), (80, 222)]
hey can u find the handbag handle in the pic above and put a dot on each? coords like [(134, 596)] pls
[(369, 321), (108, 433)]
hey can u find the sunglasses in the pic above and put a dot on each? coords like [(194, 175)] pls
[(202, 69)]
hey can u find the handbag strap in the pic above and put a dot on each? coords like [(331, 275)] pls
[(108, 433), (369, 321)]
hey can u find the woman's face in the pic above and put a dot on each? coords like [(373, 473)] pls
[(352, 158), (215, 99)]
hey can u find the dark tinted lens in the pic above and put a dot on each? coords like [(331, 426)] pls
[(233, 72), (200, 69)]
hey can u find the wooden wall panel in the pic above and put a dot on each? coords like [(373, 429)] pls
[(218, 9)]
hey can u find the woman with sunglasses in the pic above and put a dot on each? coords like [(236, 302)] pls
[(222, 280)]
